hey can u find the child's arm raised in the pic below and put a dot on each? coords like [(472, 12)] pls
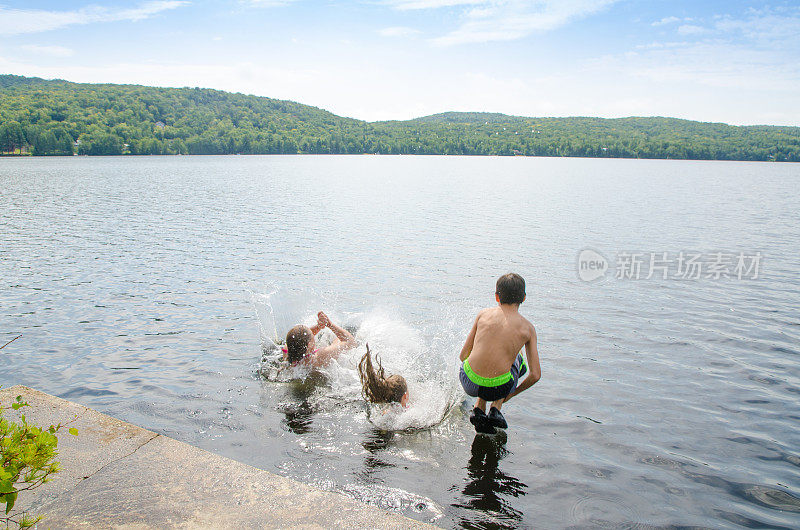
[(345, 342), (534, 368), (470, 342), (346, 338), (321, 319)]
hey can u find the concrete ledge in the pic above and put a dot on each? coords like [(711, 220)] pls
[(118, 475)]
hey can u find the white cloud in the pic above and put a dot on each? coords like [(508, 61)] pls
[(735, 77), (397, 31), (656, 45), (145, 10), (779, 26), (691, 29), (503, 20), (431, 4), (775, 27), (53, 51), (664, 21), (19, 21), (269, 3), (735, 68)]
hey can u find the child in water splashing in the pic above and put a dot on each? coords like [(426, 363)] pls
[(301, 343), (376, 387)]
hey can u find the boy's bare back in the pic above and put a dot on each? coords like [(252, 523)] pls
[(500, 333), (491, 362)]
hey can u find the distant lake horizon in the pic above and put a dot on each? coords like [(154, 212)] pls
[(424, 155)]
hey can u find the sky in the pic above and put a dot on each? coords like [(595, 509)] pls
[(732, 61)]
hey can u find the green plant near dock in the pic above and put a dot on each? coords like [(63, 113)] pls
[(27, 460)]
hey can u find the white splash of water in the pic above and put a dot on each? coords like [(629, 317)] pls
[(426, 361)]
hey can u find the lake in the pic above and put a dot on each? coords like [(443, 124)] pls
[(151, 288)]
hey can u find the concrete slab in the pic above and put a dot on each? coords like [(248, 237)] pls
[(101, 441), (117, 475)]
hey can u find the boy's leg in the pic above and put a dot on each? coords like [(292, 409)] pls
[(498, 404), (479, 419), (496, 418)]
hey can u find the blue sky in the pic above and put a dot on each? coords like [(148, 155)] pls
[(735, 62)]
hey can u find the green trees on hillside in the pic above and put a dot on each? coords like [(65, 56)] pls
[(57, 117), (12, 137), (100, 143), (55, 141)]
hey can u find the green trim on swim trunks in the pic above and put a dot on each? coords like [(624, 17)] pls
[(486, 381)]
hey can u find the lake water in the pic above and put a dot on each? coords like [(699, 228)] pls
[(150, 289)]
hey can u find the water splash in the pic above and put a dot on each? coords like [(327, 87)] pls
[(425, 360)]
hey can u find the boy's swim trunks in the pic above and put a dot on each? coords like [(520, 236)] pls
[(492, 388)]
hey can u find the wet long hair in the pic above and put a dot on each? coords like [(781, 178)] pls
[(375, 386)]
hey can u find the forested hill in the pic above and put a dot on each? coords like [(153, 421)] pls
[(42, 117)]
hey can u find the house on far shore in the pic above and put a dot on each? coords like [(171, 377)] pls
[(160, 125)]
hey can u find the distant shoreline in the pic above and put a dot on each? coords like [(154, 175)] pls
[(130, 156), (58, 117)]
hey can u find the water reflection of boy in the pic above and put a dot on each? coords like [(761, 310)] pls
[(301, 343), (489, 489)]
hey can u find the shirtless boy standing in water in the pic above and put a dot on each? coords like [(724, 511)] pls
[(491, 360)]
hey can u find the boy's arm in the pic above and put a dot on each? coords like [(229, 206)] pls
[(470, 342), (534, 368)]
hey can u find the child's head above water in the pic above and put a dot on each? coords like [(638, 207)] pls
[(299, 341), (378, 388), (510, 289)]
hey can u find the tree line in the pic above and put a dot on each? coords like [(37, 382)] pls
[(41, 117)]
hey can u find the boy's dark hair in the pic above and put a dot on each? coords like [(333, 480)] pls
[(297, 343), (511, 288)]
